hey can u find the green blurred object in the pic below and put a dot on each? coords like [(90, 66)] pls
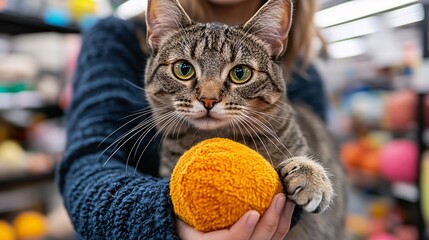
[(14, 87)]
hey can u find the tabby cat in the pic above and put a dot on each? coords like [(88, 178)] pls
[(212, 80)]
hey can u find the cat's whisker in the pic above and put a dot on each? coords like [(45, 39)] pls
[(249, 124), (177, 120), (182, 121), (149, 126), (232, 126), (119, 128), (152, 126), (269, 115), (273, 135), (263, 116), (169, 120), (132, 84), (144, 111), (141, 113), (283, 106), (270, 128), (154, 122), (119, 139), (134, 131), (241, 131), (246, 126), (266, 129), (118, 142), (145, 129)]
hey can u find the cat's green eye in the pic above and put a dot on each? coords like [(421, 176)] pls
[(240, 74), (183, 70)]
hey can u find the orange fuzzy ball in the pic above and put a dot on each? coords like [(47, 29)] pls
[(218, 180)]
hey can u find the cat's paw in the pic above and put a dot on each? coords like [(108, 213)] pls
[(307, 183)]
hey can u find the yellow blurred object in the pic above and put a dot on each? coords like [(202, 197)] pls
[(6, 231), (30, 225), (370, 142), (80, 8), (12, 156), (358, 225), (379, 209), (10, 150)]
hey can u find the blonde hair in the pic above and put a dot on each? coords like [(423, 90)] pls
[(301, 35)]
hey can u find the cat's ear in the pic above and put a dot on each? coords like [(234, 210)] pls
[(162, 18), (272, 23)]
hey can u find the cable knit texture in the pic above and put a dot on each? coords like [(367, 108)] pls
[(105, 198)]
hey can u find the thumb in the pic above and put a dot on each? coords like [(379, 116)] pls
[(187, 232)]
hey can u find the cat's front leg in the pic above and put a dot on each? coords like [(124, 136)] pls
[(307, 183)]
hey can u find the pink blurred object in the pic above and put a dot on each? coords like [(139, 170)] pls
[(400, 110), (407, 232), (399, 161), (382, 236)]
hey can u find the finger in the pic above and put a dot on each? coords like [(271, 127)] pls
[(267, 226), (241, 230), (285, 221), (187, 232)]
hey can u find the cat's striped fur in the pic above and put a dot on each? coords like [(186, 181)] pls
[(256, 113)]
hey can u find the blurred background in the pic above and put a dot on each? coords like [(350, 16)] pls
[(376, 73)]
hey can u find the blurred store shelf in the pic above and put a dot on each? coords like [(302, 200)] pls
[(24, 179), (13, 23), (28, 100)]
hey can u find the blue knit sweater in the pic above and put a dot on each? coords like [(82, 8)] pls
[(104, 198)]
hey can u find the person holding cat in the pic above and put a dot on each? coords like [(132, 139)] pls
[(105, 197)]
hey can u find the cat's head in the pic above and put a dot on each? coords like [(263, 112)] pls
[(212, 75)]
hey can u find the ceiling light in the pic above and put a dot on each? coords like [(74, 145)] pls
[(356, 9), (406, 15), (131, 9), (353, 29), (348, 48)]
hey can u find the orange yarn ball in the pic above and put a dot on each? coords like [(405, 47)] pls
[(218, 180)]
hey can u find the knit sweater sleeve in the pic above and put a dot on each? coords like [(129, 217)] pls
[(105, 198), (308, 88)]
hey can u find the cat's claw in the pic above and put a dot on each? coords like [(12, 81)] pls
[(307, 183), (314, 203)]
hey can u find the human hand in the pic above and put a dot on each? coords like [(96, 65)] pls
[(273, 225)]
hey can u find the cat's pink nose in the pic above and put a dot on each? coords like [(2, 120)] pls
[(208, 102)]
